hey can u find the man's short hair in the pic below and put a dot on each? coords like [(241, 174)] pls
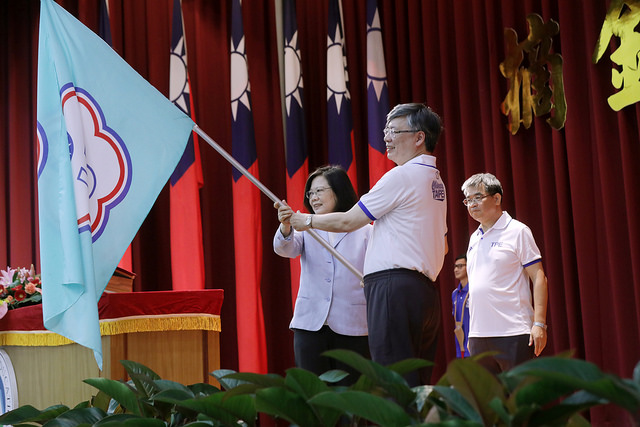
[(420, 118), (461, 256), (486, 180)]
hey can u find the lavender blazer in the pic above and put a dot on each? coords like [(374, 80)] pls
[(329, 293)]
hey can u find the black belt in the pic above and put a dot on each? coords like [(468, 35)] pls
[(398, 271)]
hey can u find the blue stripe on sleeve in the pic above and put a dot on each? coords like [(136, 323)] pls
[(532, 262), (366, 211)]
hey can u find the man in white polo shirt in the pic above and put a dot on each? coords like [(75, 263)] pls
[(501, 259), (406, 252)]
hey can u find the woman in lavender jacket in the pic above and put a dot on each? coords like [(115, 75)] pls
[(330, 310)]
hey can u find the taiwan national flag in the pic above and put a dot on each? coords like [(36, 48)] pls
[(108, 142), (296, 137), (187, 253), (377, 96), (104, 28), (339, 120), (252, 346)]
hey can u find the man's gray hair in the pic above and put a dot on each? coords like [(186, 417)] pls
[(420, 118), (488, 181)]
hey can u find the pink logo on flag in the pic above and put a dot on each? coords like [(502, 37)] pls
[(100, 161)]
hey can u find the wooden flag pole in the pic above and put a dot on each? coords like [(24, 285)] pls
[(273, 198)]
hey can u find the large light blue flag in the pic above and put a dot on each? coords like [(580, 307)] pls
[(108, 142)]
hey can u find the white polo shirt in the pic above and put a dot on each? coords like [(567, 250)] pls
[(500, 302), (409, 208)]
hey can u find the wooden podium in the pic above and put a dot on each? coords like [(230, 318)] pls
[(175, 333)]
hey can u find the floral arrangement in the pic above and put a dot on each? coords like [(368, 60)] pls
[(19, 287)]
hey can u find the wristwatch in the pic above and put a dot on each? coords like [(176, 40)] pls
[(308, 221), (540, 324)]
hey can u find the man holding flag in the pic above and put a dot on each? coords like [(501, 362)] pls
[(405, 255), (108, 142)]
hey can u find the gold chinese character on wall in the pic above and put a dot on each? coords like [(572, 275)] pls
[(537, 89), (622, 18)]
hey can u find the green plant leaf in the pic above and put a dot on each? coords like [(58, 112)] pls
[(216, 406), (242, 389), (307, 385), (422, 393), (501, 410), (556, 415), (143, 384), (174, 394), (477, 385), (201, 424), (138, 368), (263, 380), (163, 385), (534, 390), (303, 382), (575, 374), (457, 403), (101, 400), (142, 376), (120, 392), (76, 417), (578, 421), (225, 383), (333, 376), (28, 413), (409, 365), (283, 403), (374, 408), (392, 382), (203, 389), (128, 420)]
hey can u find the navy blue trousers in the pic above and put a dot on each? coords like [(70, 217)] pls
[(403, 316), (511, 351), (308, 347)]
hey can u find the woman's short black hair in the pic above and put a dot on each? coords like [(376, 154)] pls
[(340, 184)]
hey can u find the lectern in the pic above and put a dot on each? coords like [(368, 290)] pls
[(175, 333)]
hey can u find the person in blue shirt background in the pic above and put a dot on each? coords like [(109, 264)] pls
[(460, 303)]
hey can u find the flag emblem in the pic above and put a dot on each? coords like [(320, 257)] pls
[(100, 162), (178, 85), (43, 147)]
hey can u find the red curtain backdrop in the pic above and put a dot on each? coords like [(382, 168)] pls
[(576, 188)]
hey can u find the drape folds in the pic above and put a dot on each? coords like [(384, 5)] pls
[(576, 188)]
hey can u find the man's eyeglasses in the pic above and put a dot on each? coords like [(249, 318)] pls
[(459, 265), (393, 132), (317, 191), (478, 198)]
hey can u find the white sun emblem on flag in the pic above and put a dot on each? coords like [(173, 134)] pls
[(293, 73), (240, 87), (337, 76), (376, 72), (178, 85)]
